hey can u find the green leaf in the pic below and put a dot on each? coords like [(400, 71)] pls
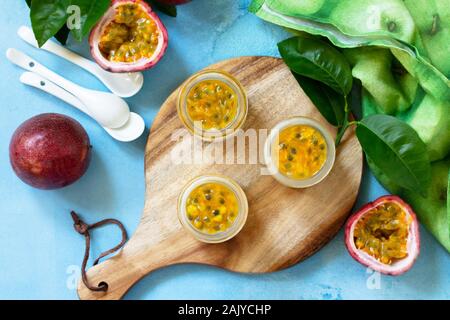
[(168, 9), (91, 12), (328, 102), (62, 35), (47, 18), (315, 59), (396, 149)]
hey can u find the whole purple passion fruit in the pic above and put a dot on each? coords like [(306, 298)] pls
[(50, 151)]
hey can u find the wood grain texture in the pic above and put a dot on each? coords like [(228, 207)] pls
[(284, 225)]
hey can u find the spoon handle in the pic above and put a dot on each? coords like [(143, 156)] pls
[(35, 80), (27, 35), (110, 80), (22, 60), (109, 110), (121, 134)]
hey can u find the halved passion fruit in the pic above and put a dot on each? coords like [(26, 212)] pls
[(384, 235), (129, 38)]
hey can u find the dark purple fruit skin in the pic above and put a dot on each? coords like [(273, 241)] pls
[(50, 151)]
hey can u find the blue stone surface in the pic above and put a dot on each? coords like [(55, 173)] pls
[(40, 253)]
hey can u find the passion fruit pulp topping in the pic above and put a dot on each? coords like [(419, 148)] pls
[(383, 233), (132, 35), (212, 208), (213, 103), (302, 151)]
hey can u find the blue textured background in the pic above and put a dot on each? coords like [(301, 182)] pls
[(40, 253)]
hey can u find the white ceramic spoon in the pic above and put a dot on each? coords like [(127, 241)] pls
[(132, 130), (108, 109), (121, 84)]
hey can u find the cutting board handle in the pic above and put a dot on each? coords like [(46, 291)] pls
[(132, 263), (118, 273)]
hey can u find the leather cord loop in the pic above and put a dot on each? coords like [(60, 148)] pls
[(83, 228)]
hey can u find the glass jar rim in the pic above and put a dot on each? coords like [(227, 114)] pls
[(272, 165), (233, 126), (235, 227)]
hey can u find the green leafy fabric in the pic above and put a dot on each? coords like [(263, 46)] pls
[(399, 50), (356, 23), (433, 210)]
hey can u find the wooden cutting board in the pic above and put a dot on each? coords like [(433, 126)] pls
[(284, 225)]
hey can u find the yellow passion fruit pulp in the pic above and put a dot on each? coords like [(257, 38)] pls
[(212, 208), (130, 36), (301, 152), (383, 233), (213, 103)]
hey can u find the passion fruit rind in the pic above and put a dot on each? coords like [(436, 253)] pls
[(413, 241), (122, 67)]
